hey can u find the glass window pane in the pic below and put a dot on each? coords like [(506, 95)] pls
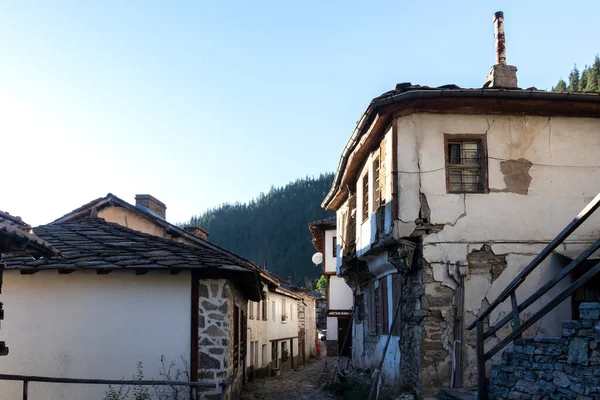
[(454, 153)]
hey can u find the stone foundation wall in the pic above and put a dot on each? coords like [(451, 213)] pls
[(412, 331), (561, 368)]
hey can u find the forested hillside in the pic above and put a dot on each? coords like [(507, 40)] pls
[(272, 228), (587, 80)]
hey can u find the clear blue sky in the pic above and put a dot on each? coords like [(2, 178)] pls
[(201, 103)]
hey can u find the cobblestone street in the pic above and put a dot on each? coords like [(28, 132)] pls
[(306, 383)]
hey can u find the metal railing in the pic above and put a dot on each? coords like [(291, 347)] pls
[(26, 379), (510, 291)]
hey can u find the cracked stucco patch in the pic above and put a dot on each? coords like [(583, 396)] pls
[(516, 175)]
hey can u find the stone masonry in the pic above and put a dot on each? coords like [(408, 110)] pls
[(561, 368), (217, 298)]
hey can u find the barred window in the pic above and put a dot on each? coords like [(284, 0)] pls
[(465, 164)]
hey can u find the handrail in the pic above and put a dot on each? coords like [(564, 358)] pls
[(516, 282), (47, 379), (510, 291)]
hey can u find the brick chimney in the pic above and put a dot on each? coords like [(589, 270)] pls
[(501, 75), (196, 231), (151, 203)]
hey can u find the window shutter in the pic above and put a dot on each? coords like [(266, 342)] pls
[(383, 298), (371, 303), (396, 296), (382, 154)]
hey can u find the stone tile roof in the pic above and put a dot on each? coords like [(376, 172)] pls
[(17, 237), (318, 228), (92, 243)]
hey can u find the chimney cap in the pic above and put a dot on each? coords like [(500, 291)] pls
[(139, 197), (151, 203), (498, 14)]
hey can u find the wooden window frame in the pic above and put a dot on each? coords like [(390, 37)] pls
[(365, 196), (236, 337), (265, 309), (482, 139), (334, 247), (376, 183), (383, 299)]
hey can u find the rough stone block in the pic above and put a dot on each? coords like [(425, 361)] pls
[(578, 351), (561, 379), (546, 387), (581, 389), (589, 311), (514, 395), (564, 368), (526, 387)]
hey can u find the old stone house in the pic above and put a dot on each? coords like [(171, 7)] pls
[(339, 295), (442, 195), (120, 296)]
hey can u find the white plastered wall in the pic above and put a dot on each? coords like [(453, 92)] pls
[(329, 257), (340, 294), (84, 325)]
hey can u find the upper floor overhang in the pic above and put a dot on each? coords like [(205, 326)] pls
[(407, 99)]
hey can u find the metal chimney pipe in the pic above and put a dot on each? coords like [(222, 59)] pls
[(499, 36)]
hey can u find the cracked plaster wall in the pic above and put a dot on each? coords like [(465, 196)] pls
[(499, 232)]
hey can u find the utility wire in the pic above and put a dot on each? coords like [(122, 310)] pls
[(504, 159)]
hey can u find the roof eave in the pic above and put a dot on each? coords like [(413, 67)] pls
[(337, 193)]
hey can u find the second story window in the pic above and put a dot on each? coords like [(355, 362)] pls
[(251, 310), (465, 164), (376, 187), (264, 309), (365, 197), (334, 247)]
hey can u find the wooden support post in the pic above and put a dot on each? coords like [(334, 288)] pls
[(515, 312), (481, 380)]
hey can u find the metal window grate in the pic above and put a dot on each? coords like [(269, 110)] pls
[(465, 167)]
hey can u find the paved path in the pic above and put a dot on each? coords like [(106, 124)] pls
[(305, 383)]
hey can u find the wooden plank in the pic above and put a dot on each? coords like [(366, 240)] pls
[(481, 379), (544, 310), (547, 286), (515, 311), (574, 224)]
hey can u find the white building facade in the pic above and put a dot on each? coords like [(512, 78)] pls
[(437, 178)]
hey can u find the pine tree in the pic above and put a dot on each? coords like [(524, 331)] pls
[(583, 79), (273, 227), (561, 86), (574, 80), (591, 84)]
